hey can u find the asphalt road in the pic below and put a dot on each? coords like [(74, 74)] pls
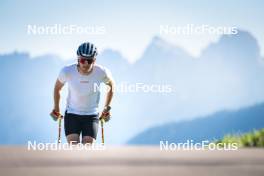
[(147, 161)]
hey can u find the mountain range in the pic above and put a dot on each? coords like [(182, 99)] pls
[(211, 127), (227, 75)]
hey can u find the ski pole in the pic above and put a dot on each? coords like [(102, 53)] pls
[(102, 129), (57, 116), (59, 135)]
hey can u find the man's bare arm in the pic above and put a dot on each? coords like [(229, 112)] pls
[(110, 93), (57, 88)]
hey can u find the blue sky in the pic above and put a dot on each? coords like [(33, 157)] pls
[(129, 26)]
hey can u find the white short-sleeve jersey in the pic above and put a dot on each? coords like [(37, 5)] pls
[(83, 92)]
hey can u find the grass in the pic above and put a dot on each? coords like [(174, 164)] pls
[(251, 139)]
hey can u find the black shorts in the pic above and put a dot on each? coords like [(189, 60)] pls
[(77, 124)]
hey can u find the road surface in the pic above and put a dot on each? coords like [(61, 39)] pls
[(131, 161)]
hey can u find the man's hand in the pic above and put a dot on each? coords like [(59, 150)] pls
[(55, 115), (106, 114)]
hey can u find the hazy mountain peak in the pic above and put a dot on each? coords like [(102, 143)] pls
[(242, 45), (112, 53), (16, 54), (160, 48), (161, 43)]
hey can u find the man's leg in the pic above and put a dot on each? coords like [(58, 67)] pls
[(89, 129), (72, 128), (73, 138), (87, 140)]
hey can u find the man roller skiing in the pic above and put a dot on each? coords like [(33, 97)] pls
[(82, 115)]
